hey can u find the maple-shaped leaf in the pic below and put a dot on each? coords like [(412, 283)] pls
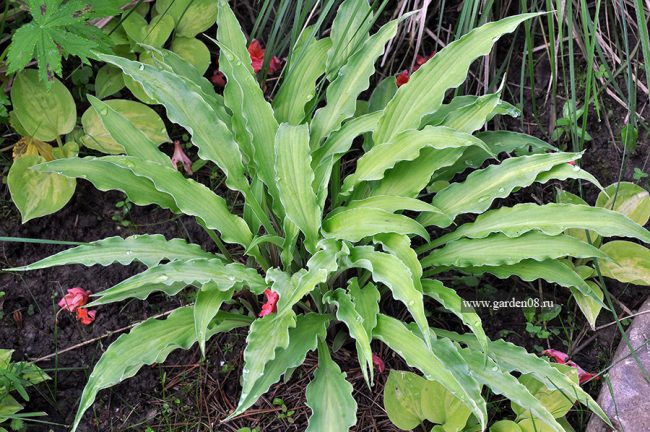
[(59, 29)]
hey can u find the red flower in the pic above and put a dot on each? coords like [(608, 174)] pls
[(562, 358), (378, 362), (86, 316), (572, 163), (275, 65), (402, 78), (556, 355), (271, 304), (583, 376), (180, 156), (256, 52), (420, 60), (74, 299), (218, 79)]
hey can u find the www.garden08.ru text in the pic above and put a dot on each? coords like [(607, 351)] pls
[(511, 303)]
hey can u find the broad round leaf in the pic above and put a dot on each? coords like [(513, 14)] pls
[(191, 16), (505, 426), (36, 193), (194, 51), (589, 307), (410, 399), (630, 262), (557, 403), (143, 117), (153, 34), (631, 200), (109, 80), (43, 114)]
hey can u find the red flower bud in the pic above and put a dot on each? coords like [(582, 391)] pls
[(271, 305), (74, 299), (378, 362)]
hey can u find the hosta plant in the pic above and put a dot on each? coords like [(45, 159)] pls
[(410, 399), (325, 239)]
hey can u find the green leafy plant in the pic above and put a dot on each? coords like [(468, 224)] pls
[(410, 399), (42, 113), (568, 123), (328, 240), (629, 262), (15, 378), (59, 28), (174, 23), (537, 321)]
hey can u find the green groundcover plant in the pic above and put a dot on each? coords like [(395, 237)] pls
[(325, 247)]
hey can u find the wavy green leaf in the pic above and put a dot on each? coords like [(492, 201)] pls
[(149, 249), (148, 343), (174, 276), (552, 270), (329, 396), (416, 354), (405, 147), (505, 250), (348, 314), (337, 144), (551, 219), (340, 141), (252, 120), (105, 176), (191, 197), (186, 105), (590, 308), (511, 357), (171, 61), (302, 339), (469, 113), (266, 336), (352, 79), (349, 31), (319, 267), (294, 178), (452, 302), (567, 171), (299, 85), (424, 92), (393, 203), (409, 178), (357, 223), (230, 34), (515, 358), (502, 383), (209, 299), (400, 246), (366, 303), (473, 116), (482, 187), (392, 272)]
